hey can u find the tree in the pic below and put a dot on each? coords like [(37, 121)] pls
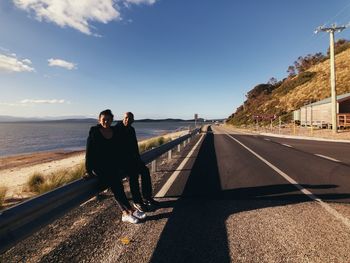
[(272, 81), (259, 89), (291, 71), (304, 63), (340, 46)]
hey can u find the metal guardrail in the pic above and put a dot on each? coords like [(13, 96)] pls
[(20, 221)]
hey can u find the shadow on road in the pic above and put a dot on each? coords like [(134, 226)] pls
[(196, 230)]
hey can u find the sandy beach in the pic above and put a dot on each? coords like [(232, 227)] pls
[(15, 170)]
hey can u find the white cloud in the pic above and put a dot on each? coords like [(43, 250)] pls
[(33, 102), (72, 13), (52, 101), (27, 61), (12, 104), (76, 13), (61, 63), (10, 63)]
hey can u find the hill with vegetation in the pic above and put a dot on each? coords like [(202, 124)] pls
[(308, 81)]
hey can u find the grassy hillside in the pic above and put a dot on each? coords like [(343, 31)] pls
[(310, 85)]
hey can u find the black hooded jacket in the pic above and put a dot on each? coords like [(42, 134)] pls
[(128, 144), (102, 155)]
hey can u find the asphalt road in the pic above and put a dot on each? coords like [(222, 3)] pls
[(234, 198), (337, 151), (256, 199)]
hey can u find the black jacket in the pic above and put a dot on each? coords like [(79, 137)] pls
[(128, 144), (102, 155)]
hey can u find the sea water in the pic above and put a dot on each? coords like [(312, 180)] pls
[(27, 137)]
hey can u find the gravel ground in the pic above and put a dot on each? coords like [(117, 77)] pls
[(94, 232)]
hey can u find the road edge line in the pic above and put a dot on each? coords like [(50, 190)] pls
[(313, 197), (162, 192)]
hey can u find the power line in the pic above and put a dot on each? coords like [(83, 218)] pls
[(311, 40), (341, 11)]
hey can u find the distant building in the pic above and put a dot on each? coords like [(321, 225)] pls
[(319, 113)]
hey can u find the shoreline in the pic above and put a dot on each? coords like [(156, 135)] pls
[(16, 169), (32, 158)]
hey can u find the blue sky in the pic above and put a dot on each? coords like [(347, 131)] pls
[(157, 58)]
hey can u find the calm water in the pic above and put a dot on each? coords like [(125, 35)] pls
[(17, 138)]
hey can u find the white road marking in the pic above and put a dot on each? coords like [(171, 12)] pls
[(328, 158), (327, 207), (162, 192), (266, 139), (287, 145)]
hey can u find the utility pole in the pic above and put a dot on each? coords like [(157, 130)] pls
[(331, 30)]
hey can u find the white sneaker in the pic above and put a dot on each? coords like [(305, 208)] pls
[(130, 219), (139, 215)]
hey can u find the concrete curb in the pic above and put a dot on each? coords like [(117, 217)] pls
[(303, 137), (290, 136)]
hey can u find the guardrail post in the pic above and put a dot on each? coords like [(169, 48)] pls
[(154, 166), (179, 147), (169, 155)]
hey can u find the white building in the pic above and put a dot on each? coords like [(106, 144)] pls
[(319, 113)]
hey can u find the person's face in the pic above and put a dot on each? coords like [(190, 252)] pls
[(105, 121), (128, 120)]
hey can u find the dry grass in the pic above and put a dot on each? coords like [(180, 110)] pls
[(319, 87), (3, 190), (40, 183), (149, 144)]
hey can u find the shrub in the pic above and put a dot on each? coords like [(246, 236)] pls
[(35, 182), (290, 84), (53, 181), (261, 89), (340, 46), (39, 184), (304, 63), (3, 190)]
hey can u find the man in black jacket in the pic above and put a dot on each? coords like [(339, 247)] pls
[(134, 166)]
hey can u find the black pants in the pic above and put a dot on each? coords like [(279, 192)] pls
[(116, 185), (134, 171)]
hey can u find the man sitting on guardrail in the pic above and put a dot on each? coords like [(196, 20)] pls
[(134, 166)]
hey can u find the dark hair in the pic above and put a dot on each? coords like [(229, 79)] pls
[(129, 113), (107, 112)]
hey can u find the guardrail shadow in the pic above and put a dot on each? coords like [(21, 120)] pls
[(196, 230)]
